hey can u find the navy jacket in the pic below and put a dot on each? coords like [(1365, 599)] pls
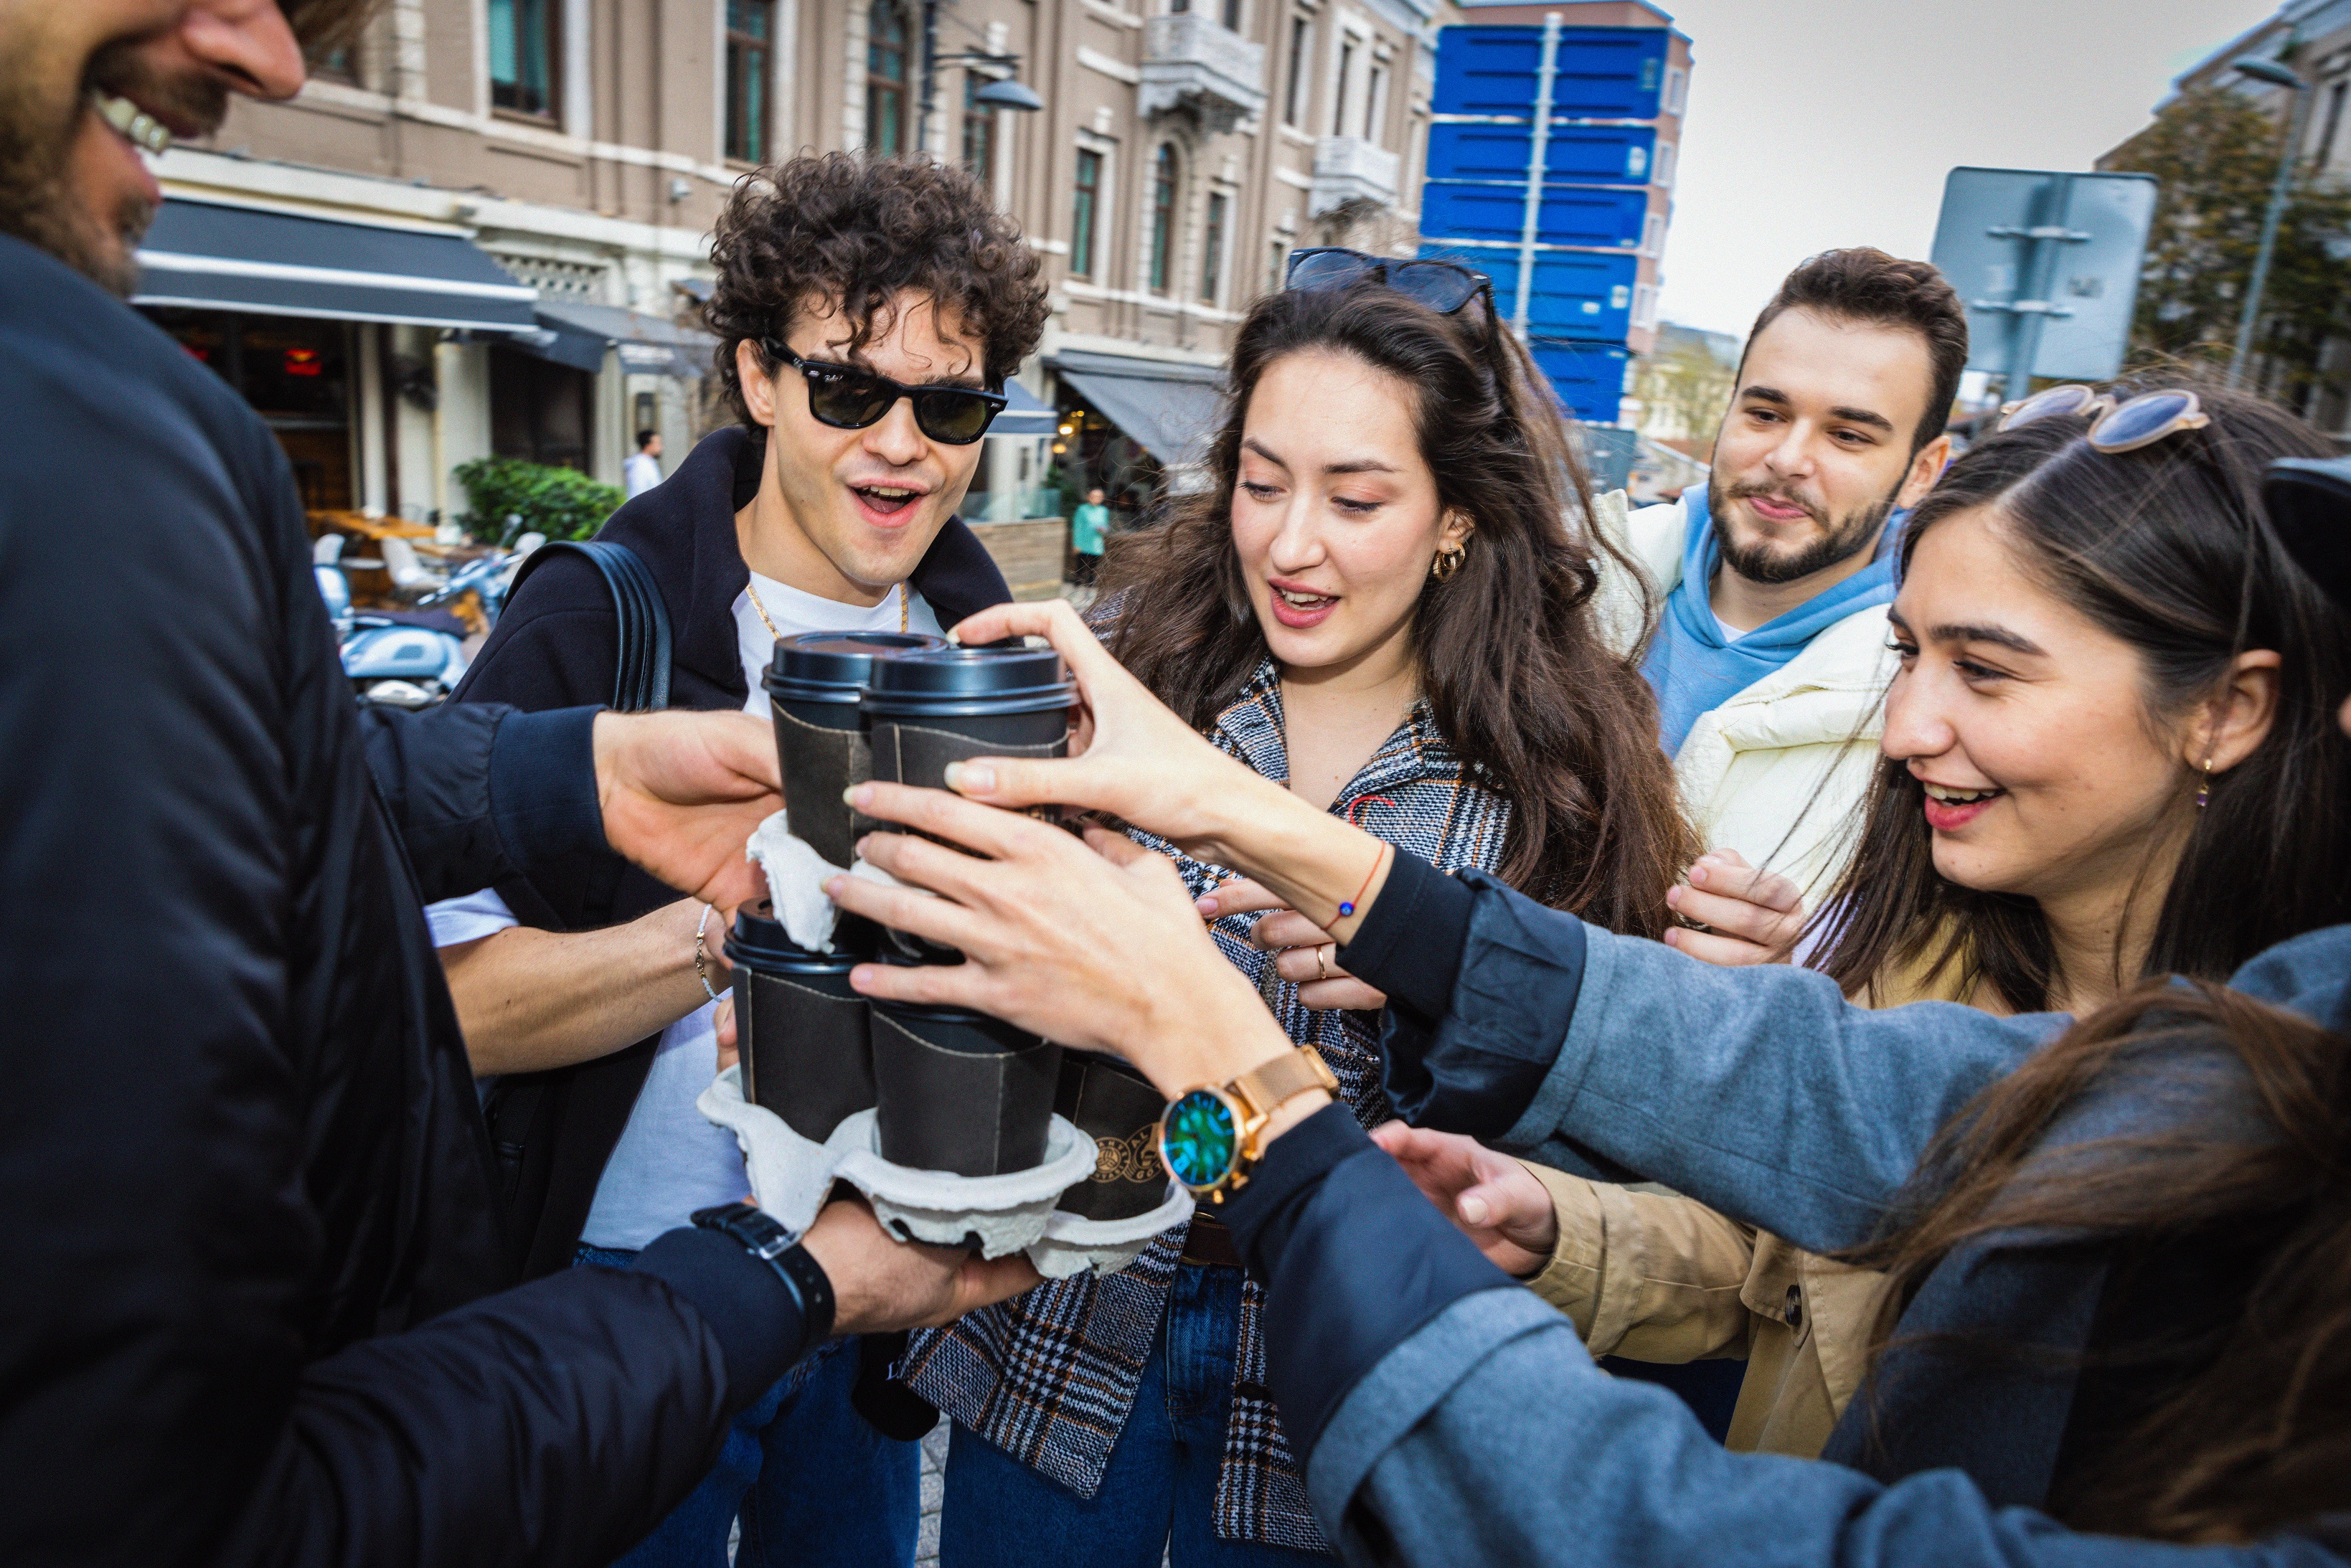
[(1448, 1416), (556, 646), (251, 1309)]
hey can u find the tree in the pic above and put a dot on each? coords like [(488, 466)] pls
[(2216, 154), (1683, 387)]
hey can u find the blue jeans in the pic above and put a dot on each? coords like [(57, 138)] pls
[(812, 1481), (1159, 1492)]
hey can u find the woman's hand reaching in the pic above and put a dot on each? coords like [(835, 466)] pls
[(1304, 954), (1493, 1198), (1751, 916)]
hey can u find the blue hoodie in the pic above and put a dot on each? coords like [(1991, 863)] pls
[(1693, 670)]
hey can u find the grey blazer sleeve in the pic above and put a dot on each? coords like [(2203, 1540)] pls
[(1760, 1092), (1490, 1437)]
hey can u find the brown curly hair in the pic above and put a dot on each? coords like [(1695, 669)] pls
[(859, 230)]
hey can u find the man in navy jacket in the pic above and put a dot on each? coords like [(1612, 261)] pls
[(252, 1308)]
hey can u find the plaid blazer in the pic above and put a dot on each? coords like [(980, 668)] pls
[(1049, 1376)]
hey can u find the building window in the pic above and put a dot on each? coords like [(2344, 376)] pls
[(885, 80), (2324, 151), (978, 132), (1677, 90), (749, 28), (1082, 218), (1162, 218), (1302, 44), (342, 63), (1375, 105), (1339, 89), (1652, 235), (1661, 172), (1277, 265), (1233, 15), (1212, 242), (1644, 306), (522, 55)]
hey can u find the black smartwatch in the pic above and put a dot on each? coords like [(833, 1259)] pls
[(771, 1244)]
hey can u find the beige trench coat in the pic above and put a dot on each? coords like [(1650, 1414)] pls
[(1653, 1276)]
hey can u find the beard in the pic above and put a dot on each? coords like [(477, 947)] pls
[(1833, 542), (42, 116)]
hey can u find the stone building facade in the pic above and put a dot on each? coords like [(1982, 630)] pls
[(584, 147)]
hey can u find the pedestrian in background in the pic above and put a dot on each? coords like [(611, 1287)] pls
[(1089, 526), (643, 471)]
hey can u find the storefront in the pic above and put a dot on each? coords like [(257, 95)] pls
[(1132, 426), (308, 318)]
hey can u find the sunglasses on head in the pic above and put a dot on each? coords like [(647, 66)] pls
[(2115, 427), (847, 398), (1444, 286)]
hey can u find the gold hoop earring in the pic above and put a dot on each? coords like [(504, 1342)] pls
[(2204, 789), (1447, 562)]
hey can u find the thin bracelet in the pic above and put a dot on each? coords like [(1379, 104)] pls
[(701, 955), (1377, 860)]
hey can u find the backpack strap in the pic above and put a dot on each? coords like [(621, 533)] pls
[(641, 681)]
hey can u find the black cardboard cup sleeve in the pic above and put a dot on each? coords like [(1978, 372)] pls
[(1118, 1108), (803, 1034), (961, 1092), (814, 686)]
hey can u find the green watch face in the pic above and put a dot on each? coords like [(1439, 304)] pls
[(1198, 1139)]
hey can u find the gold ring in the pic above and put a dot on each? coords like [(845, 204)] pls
[(1323, 960)]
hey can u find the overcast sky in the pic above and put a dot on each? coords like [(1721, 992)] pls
[(1816, 123)]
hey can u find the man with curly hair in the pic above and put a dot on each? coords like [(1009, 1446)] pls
[(869, 312)]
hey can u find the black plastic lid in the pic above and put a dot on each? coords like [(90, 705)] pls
[(831, 666), (758, 943), (957, 683)]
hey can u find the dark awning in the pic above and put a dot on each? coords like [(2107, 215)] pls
[(1023, 414), (279, 264), (1171, 409), (572, 332)]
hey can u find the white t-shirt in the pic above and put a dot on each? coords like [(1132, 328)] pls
[(1729, 634), (640, 471), (670, 1161)]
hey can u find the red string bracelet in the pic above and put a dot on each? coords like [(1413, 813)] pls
[(1348, 907), (1378, 861)]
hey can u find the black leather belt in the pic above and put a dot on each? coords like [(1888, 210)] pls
[(1210, 1242)]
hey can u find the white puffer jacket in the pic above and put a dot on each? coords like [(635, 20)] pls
[(1779, 771)]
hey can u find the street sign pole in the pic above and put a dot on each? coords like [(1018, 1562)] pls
[(1532, 225), (2045, 240)]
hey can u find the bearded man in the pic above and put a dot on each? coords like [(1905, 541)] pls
[(254, 1308), (1770, 657)]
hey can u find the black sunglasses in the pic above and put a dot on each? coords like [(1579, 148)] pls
[(1444, 286), (847, 398)]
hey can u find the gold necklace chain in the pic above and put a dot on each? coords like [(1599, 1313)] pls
[(761, 610)]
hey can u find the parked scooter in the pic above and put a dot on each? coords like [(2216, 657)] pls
[(393, 660)]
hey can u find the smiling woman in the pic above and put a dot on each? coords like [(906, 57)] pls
[(2111, 750)]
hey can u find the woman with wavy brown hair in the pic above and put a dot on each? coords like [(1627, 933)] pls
[(1383, 598)]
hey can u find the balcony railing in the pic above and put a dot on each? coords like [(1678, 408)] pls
[(1350, 169), (1190, 63)]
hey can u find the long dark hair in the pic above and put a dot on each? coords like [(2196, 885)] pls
[(2165, 549), (1520, 685), (2238, 1425)]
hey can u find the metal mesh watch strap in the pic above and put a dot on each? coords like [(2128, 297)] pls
[(1293, 1072)]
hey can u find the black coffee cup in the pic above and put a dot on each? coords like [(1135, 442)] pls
[(923, 711), (961, 1092), (1110, 1101), (802, 1030), (814, 685)]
